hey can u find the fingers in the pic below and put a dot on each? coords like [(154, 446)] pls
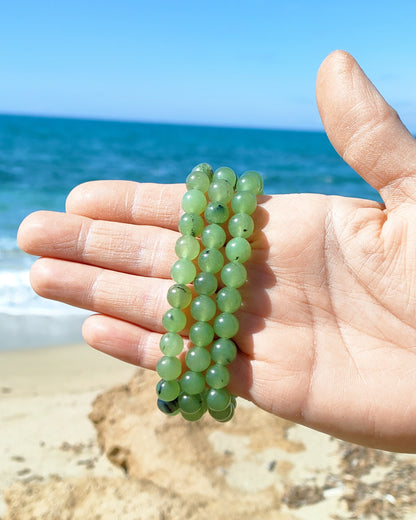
[(130, 202), (143, 250), (365, 130), (136, 299)]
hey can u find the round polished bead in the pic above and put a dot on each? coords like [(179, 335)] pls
[(213, 235), (227, 174), (205, 168), (168, 390), (205, 283), (171, 344), (201, 333), (183, 271), (203, 308), (198, 180), (211, 260), (241, 225), (197, 359), (218, 399), (187, 246), (226, 325), (220, 191), (223, 415), (216, 213), (228, 299), (174, 320), (192, 382), (223, 351), (191, 224), (217, 376), (238, 249), (234, 274), (169, 368), (190, 403), (179, 296), (244, 202), (194, 201), (168, 407), (250, 181), (192, 417)]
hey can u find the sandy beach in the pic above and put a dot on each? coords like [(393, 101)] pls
[(81, 439)]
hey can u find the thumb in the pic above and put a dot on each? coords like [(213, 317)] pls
[(365, 130)]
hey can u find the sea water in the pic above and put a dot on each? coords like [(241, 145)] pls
[(42, 159)]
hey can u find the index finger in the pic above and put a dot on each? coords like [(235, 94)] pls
[(129, 202)]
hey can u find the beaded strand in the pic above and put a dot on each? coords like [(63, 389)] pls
[(203, 386)]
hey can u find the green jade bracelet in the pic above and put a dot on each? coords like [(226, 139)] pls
[(203, 386)]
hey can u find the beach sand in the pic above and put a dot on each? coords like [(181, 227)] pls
[(81, 438)]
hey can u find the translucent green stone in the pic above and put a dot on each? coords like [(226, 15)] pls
[(220, 190), (223, 351), (190, 403), (191, 224), (213, 235), (250, 181), (174, 320), (223, 415), (217, 376), (218, 399), (216, 213), (241, 225), (227, 174), (211, 260), (205, 283), (187, 246), (205, 168), (194, 201), (168, 407), (198, 180), (238, 249), (226, 325), (203, 308), (201, 333), (169, 368), (193, 416), (197, 359), (192, 382), (179, 296), (183, 271), (234, 274), (168, 390), (244, 202), (171, 344), (229, 299)]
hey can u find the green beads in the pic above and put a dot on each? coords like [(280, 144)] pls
[(194, 201), (187, 246), (179, 296), (191, 224), (205, 283), (211, 260), (198, 383)]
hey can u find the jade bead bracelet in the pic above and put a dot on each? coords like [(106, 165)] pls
[(207, 204)]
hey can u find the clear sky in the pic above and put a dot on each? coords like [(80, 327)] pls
[(218, 62)]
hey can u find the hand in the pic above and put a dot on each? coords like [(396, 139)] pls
[(327, 332)]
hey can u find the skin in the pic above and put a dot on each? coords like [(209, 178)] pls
[(327, 330)]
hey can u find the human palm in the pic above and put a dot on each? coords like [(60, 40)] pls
[(327, 330)]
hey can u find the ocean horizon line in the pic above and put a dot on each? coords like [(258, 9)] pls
[(105, 119)]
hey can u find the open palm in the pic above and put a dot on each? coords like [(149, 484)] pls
[(328, 327)]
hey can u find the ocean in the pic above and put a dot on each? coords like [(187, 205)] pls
[(42, 159)]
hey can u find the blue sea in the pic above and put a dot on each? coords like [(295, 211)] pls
[(42, 159)]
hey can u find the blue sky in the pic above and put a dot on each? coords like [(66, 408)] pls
[(228, 62)]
